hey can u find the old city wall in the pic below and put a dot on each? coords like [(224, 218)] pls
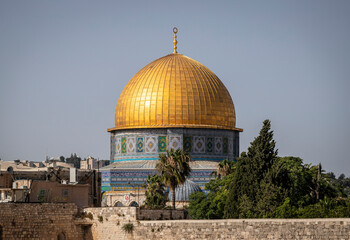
[(243, 229), (107, 223), (48, 220), (39, 221)]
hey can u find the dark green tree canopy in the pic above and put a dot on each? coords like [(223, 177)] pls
[(155, 192), (264, 185)]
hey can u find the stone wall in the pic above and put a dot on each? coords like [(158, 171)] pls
[(48, 220), (40, 221), (145, 214), (107, 222), (115, 218), (243, 229)]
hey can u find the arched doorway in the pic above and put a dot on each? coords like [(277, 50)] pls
[(61, 236), (118, 204), (133, 204)]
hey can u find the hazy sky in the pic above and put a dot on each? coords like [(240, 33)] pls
[(63, 65)]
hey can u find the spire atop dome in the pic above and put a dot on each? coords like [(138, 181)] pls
[(175, 41)]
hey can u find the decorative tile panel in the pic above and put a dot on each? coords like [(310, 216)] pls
[(225, 145), (230, 145), (118, 149), (218, 145), (151, 144), (123, 145), (174, 142), (131, 144), (199, 144), (139, 145), (187, 144), (210, 144), (162, 143), (112, 146)]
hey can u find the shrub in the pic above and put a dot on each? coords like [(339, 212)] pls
[(128, 227)]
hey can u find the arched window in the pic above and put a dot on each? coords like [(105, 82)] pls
[(118, 204), (61, 236), (133, 204)]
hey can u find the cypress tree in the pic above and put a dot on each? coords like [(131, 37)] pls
[(250, 171)]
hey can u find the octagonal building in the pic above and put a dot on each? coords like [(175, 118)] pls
[(173, 102)]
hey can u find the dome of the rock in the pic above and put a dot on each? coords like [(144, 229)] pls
[(174, 103), (175, 91)]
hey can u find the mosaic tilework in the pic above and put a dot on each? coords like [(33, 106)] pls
[(206, 144), (139, 145), (112, 146), (230, 145), (199, 144), (174, 142), (120, 179), (225, 145), (123, 145), (151, 144), (118, 148), (131, 144), (187, 144), (218, 145), (162, 143), (210, 144)]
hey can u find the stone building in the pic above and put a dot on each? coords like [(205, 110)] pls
[(173, 102), (91, 163), (22, 182)]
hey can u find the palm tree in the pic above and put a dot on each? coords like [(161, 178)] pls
[(174, 168), (224, 168)]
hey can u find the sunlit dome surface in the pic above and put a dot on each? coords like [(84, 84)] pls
[(175, 91)]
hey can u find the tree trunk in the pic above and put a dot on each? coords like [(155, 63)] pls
[(318, 184), (173, 189), (173, 197)]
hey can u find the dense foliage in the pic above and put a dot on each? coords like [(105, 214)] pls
[(264, 185), (155, 196)]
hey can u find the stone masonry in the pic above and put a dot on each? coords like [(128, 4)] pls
[(49, 220), (39, 221)]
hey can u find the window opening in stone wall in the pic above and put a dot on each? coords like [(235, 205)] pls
[(61, 236), (42, 195), (65, 193), (1, 232)]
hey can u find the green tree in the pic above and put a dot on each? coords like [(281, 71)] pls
[(264, 185), (155, 192), (174, 167), (224, 168), (211, 205), (250, 171)]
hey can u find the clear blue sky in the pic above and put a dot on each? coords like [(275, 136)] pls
[(63, 65)]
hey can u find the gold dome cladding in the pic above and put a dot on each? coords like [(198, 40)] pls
[(175, 91)]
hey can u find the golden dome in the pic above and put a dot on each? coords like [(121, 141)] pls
[(175, 91)]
